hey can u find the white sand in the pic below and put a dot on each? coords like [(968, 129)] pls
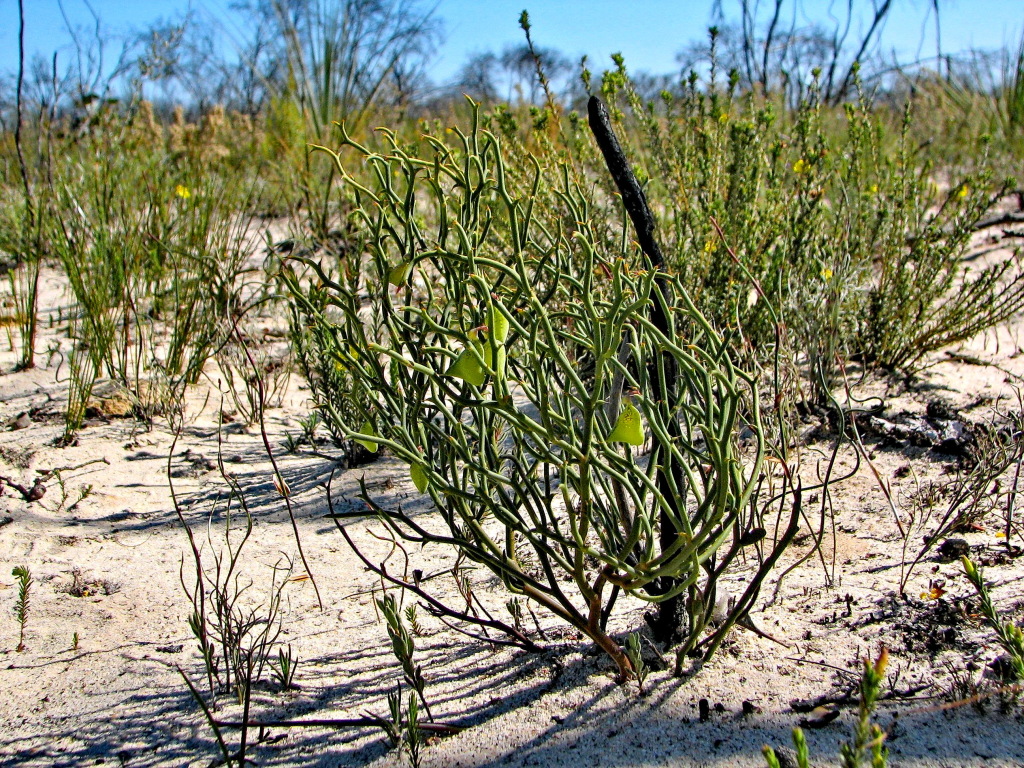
[(118, 699)]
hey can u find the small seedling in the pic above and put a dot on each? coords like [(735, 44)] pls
[(1010, 635), (74, 642), (636, 658), (21, 573), (413, 738), (393, 729), (65, 494), (868, 739), (414, 621), (309, 426), (515, 609), (963, 687), (403, 647), (83, 493), (62, 489), (283, 671)]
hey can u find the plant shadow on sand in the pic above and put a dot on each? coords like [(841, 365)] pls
[(606, 725), (556, 708)]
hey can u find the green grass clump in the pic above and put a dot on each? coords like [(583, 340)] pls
[(154, 244)]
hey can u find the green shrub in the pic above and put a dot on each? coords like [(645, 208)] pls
[(154, 245), (830, 221), (510, 365)]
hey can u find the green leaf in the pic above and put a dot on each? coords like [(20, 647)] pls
[(419, 477), (469, 366), (496, 360), (628, 427), (367, 429), (497, 323), (398, 274)]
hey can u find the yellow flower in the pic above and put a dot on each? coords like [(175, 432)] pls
[(826, 273), (183, 192), (723, 118), (934, 593), (874, 189), (801, 166), (963, 191)]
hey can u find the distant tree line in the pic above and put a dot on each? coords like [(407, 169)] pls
[(339, 58)]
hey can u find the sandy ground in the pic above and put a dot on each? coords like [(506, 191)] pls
[(108, 571)]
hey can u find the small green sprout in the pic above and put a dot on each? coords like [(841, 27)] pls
[(24, 577)]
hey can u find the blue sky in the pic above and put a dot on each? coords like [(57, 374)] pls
[(648, 32)]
